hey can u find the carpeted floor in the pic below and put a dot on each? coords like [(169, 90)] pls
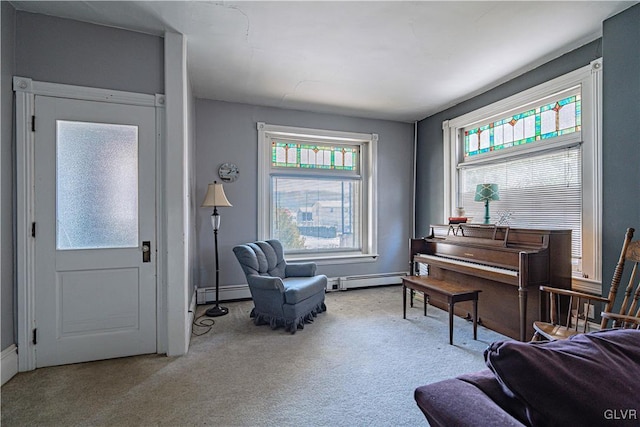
[(356, 365)]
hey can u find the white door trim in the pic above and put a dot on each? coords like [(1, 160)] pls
[(25, 90)]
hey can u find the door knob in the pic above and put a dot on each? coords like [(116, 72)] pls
[(146, 251)]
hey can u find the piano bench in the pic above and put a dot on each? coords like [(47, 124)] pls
[(453, 292)]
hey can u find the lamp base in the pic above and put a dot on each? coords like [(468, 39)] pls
[(217, 311), (487, 217)]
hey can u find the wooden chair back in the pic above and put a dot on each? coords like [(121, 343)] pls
[(568, 311), (629, 308)]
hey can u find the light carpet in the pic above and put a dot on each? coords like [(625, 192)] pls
[(356, 365)]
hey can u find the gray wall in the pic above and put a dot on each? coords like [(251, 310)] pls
[(64, 51), (69, 52), (6, 180), (620, 49), (620, 134), (226, 132), (430, 173)]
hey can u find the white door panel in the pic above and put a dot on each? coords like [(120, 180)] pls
[(95, 205)]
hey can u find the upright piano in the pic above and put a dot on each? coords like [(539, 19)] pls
[(507, 264)]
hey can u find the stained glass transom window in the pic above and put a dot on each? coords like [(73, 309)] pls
[(311, 156), (550, 120)]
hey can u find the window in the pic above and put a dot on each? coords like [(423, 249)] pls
[(317, 192), (96, 185), (560, 115), (542, 148)]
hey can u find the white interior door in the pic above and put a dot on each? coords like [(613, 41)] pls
[(95, 230)]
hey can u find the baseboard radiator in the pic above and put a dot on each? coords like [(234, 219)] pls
[(366, 280), (208, 295)]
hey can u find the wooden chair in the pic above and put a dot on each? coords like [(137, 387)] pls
[(568, 311)]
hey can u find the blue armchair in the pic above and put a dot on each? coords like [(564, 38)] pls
[(288, 295)]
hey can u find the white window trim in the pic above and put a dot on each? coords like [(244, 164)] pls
[(370, 220), (590, 78)]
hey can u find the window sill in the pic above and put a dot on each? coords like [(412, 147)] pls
[(332, 259), (586, 285)]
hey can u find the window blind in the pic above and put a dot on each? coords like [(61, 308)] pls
[(538, 191)]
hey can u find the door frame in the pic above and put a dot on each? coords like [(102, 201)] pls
[(25, 90)]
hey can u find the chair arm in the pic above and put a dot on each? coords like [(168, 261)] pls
[(303, 269), (573, 293), (265, 282), (621, 318)]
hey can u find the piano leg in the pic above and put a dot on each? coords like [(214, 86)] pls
[(522, 292), (522, 299)]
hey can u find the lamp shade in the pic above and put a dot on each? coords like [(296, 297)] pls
[(486, 192), (215, 196)]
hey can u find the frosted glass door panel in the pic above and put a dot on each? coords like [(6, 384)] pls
[(96, 185)]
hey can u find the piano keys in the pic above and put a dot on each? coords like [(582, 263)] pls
[(507, 264)]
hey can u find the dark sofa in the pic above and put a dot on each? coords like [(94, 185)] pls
[(591, 379)]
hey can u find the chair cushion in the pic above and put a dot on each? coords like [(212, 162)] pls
[(262, 258), (247, 258), (587, 379), (298, 289), (274, 255)]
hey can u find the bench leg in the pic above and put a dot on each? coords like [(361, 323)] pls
[(475, 319), (425, 297), (451, 305), (404, 302)]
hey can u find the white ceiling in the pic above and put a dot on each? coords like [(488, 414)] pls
[(391, 60)]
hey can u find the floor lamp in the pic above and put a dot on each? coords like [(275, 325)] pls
[(216, 198)]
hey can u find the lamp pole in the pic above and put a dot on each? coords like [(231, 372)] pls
[(216, 311)]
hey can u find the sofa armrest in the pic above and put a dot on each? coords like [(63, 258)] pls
[(454, 402), (303, 269), (265, 282)]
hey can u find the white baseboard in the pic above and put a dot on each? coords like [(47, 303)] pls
[(9, 363), (226, 293), (208, 295)]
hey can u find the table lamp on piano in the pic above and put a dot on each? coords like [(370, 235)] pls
[(486, 193)]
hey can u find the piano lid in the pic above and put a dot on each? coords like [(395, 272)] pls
[(496, 236)]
